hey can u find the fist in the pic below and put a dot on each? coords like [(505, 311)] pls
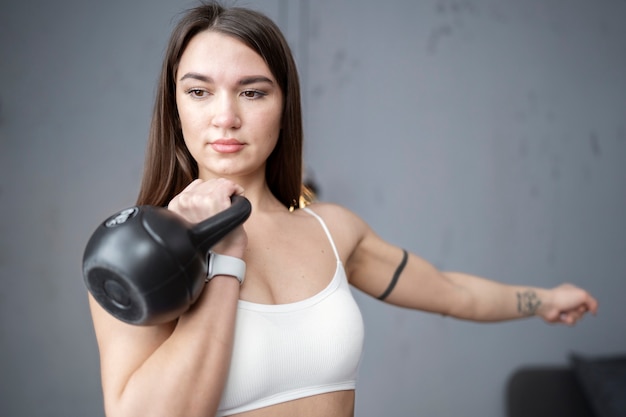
[(203, 199), (568, 304)]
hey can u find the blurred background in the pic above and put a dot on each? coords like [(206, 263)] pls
[(488, 136)]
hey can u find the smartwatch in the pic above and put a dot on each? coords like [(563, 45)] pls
[(226, 265)]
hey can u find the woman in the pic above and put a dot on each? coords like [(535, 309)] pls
[(286, 341)]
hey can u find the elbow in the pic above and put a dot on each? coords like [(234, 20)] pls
[(462, 305), (467, 307)]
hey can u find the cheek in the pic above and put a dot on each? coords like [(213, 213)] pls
[(272, 130), (188, 125), (185, 115), (273, 121)]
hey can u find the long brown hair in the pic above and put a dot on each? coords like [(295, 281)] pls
[(169, 166)]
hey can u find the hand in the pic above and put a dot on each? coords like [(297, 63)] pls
[(203, 199), (567, 304)]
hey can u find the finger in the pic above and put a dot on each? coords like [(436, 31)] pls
[(193, 184), (175, 202), (582, 309), (593, 305), (239, 190), (228, 187), (567, 318)]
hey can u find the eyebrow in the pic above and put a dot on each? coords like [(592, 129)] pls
[(244, 81)]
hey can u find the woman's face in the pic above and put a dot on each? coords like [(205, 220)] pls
[(229, 104)]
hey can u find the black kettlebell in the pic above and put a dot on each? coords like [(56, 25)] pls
[(146, 265)]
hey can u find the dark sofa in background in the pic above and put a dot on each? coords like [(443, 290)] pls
[(588, 387)]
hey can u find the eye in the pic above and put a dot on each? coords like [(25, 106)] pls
[(197, 92), (253, 94)]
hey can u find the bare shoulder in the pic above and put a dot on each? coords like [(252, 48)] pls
[(346, 227), (339, 216)]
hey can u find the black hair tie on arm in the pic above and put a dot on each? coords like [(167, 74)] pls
[(396, 275)]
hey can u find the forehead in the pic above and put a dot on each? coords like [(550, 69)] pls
[(213, 53)]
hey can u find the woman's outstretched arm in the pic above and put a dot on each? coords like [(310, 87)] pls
[(381, 269)]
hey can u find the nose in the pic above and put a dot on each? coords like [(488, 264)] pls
[(226, 113)]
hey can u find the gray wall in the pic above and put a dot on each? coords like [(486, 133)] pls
[(488, 136)]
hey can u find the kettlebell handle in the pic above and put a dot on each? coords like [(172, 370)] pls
[(208, 232)]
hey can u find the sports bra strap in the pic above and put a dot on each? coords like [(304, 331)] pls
[(330, 238)]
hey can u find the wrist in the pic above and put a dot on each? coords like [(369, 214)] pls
[(227, 266), (546, 295), (531, 301)]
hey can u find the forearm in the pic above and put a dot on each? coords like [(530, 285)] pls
[(185, 375), (486, 300)]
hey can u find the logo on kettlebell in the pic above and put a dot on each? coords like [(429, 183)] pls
[(121, 217)]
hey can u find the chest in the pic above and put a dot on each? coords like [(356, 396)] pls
[(288, 260), (290, 351)]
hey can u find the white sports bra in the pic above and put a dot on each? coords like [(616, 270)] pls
[(283, 352)]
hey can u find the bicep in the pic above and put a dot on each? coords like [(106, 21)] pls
[(123, 347), (419, 285)]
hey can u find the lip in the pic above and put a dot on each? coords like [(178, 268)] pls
[(227, 145)]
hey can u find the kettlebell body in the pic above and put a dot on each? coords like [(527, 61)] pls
[(146, 265)]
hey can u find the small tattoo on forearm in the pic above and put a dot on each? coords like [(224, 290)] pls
[(528, 302)]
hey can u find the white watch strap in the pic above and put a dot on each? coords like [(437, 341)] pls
[(226, 265)]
